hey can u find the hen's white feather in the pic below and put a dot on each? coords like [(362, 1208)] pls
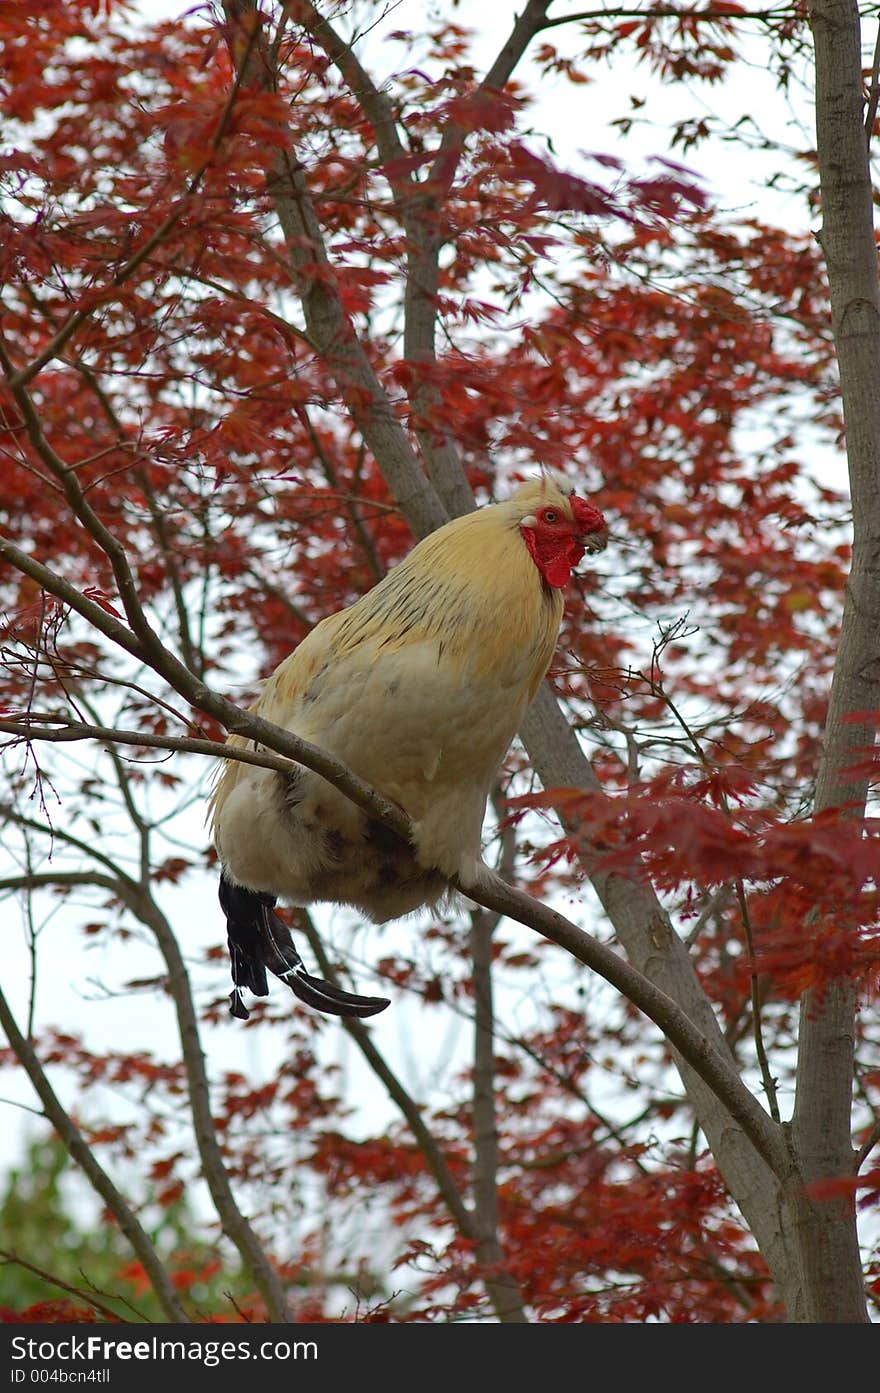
[(418, 687)]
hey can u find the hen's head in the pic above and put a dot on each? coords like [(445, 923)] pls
[(557, 526)]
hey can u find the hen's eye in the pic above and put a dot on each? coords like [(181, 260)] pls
[(550, 515)]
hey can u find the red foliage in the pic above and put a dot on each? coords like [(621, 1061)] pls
[(61, 1312), (620, 328)]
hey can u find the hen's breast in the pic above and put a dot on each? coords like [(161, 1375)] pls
[(419, 688), (424, 681), (396, 717)]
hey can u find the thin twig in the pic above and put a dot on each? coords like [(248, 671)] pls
[(873, 94), (766, 1077), (13, 1258), (191, 656), (374, 102), (105, 294), (867, 1147), (651, 12), (367, 545), (658, 689)]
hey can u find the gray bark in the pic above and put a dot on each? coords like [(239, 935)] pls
[(821, 1126)]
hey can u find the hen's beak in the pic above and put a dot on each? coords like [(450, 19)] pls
[(593, 534), (594, 541)]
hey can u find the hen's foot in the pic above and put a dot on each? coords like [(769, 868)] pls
[(259, 939)]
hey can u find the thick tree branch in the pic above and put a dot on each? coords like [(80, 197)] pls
[(85, 1158), (140, 902), (416, 209), (329, 326), (506, 1308), (420, 207), (233, 1222), (427, 232), (490, 1250)]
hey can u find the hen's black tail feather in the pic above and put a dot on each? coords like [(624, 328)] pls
[(258, 939)]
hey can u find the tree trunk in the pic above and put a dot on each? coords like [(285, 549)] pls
[(821, 1126)]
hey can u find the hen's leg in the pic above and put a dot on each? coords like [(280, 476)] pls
[(258, 939)]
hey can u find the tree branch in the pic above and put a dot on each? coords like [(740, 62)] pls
[(42, 880), (705, 1058), (105, 295), (329, 326), (650, 12), (632, 906), (36, 727), (490, 1250), (98, 1177), (426, 235), (233, 1222), (11, 814), (189, 650), (140, 902), (50, 1279), (713, 1067), (499, 1289), (873, 94), (652, 946), (373, 101)]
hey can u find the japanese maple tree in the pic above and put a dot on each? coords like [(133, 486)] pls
[(283, 289)]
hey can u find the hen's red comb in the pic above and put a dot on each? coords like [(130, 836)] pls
[(588, 518)]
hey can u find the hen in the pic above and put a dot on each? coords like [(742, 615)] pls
[(419, 687)]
